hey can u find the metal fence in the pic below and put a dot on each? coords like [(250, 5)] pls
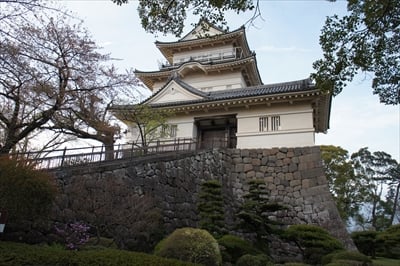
[(52, 159)]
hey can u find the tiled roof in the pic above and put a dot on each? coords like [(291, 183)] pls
[(262, 90)]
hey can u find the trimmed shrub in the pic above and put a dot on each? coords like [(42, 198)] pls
[(192, 245), (365, 242), (350, 257), (27, 194), (254, 260), (313, 241), (233, 247), (390, 239)]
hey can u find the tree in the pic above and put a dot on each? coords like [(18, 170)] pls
[(255, 212), (211, 208), (149, 123), (89, 116), (50, 70), (313, 242), (367, 40), (393, 194), (345, 188), (375, 172), (168, 16)]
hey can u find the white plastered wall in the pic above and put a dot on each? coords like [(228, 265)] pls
[(296, 127), (215, 82)]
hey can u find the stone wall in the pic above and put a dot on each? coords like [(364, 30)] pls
[(121, 195)]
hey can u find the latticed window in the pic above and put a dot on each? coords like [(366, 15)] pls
[(169, 131), (269, 123), (173, 131)]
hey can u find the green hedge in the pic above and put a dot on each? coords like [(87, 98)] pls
[(16, 254)]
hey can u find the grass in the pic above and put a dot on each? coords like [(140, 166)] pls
[(385, 262), (18, 254)]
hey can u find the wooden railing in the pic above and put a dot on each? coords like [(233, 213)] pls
[(52, 159)]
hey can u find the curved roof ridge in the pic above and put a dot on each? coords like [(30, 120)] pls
[(207, 63), (182, 84), (180, 41)]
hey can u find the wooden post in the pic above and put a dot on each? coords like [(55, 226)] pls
[(63, 156)]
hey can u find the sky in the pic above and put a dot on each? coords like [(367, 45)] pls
[(286, 41)]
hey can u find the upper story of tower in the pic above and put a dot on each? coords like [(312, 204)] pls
[(207, 58)]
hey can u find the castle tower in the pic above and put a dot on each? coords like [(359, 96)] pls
[(211, 84)]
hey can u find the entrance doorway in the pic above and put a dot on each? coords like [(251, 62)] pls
[(216, 131)]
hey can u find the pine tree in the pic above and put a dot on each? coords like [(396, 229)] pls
[(211, 208), (254, 213)]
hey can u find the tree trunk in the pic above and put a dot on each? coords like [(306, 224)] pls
[(395, 204)]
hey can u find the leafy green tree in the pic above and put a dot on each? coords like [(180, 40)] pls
[(255, 211), (149, 123), (345, 188), (211, 208), (168, 16), (367, 39), (375, 170)]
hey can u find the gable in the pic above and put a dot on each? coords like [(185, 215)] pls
[(173, 92), (203, 29)]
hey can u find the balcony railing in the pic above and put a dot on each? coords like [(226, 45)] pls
[(53, 159), (214, 56)]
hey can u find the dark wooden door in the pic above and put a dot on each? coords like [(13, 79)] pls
[(213, 138)]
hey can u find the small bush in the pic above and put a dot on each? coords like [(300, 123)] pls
[(254, 260), (350, 257), (74, 234), (192, 245), (365, 242), (26, 193), (390, 239), (234, 247)]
